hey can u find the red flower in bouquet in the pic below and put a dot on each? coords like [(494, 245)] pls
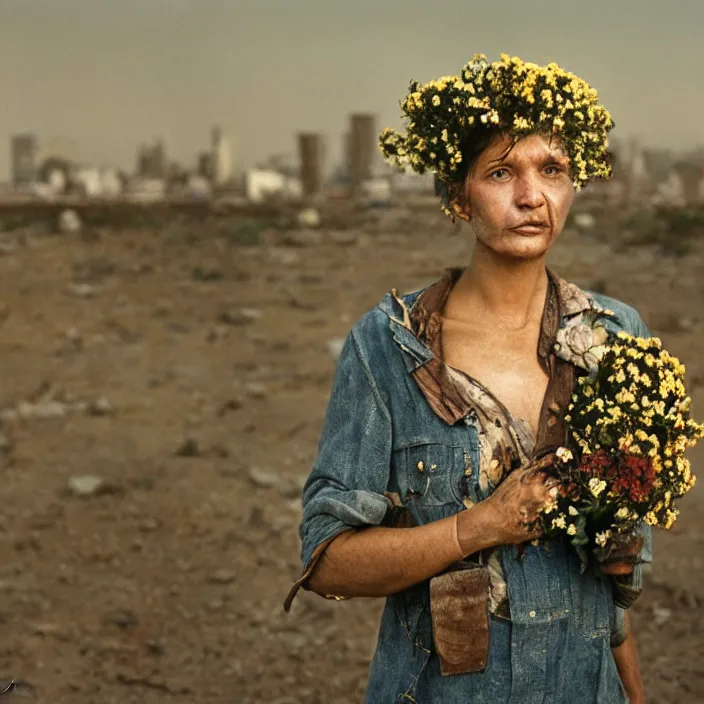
[(630, 477)]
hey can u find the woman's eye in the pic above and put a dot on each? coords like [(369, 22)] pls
[(553, 169), (499, 174)]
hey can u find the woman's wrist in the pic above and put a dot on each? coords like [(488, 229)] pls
[(477, 529)]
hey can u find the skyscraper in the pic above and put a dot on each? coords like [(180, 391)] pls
[(362, 149), (310, 149), (221, 151), (24, 154)]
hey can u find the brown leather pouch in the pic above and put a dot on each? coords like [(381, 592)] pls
[(459, 607)]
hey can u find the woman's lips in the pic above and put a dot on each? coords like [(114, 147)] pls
[(530, 229)]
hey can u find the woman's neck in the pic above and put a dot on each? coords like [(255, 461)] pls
[(509, 293)]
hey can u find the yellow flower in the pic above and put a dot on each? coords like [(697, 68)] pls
[(559, 522), (596, 486), (602, 538), (571, 529), (563, 454), (549, 506)]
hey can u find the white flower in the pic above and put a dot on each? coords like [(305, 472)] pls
[(596, 486), (563, 454), (601, 538), (581, 344), (572, 529), (559, 522), (573, 511)]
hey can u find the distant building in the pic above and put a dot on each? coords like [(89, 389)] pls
[(659, 163), (146, 190), (221, 158), (197, 187), (310, 150), (377, 192), (690, 174), (361, 149), (151, 161), (95, 182), (262, 184), (24, 154), (670, 191), (55, 172), (205, 165)]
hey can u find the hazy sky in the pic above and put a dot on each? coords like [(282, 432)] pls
[(95, 77)]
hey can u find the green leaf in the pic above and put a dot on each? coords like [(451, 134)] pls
[(583, 558), (580, 539)]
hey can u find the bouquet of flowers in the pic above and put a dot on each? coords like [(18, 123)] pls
[(628, 428)]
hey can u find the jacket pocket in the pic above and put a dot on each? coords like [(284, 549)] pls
[(430, 475), (459, 605)]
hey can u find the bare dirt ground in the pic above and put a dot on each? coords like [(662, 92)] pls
[(162, 393)]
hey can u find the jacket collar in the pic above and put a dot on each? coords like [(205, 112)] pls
[(413, 317)]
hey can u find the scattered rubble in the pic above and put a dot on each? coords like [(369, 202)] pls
[(189, 448), (83, 290), (308, 218), (240, 316), (86, 485), (100, 407), (69, 221), (263, 479), (222, 576)]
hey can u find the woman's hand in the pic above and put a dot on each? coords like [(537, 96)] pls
[(514, 507)]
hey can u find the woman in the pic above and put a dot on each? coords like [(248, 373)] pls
[(447, 406)]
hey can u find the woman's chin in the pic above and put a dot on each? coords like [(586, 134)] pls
[(526, 248)]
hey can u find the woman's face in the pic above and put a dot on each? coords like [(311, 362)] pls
[(517, 201)]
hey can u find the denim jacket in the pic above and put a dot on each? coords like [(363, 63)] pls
[(378, 430)]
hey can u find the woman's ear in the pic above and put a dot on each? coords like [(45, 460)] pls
[(461, 212), (459, 202)]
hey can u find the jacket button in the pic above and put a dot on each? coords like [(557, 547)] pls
[(532, 614), (421, 466)]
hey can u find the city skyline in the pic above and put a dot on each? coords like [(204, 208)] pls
[(94, 81)]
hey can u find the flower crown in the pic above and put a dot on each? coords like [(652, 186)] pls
[(516, 97)]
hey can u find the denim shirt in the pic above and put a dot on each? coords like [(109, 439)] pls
[(378, 430)]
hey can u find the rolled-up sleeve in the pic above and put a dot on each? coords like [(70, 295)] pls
[(345, 489)]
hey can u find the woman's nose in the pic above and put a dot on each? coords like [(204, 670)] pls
[(529, 193)]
